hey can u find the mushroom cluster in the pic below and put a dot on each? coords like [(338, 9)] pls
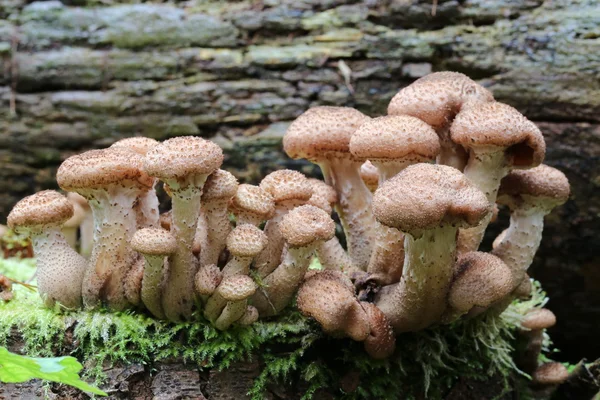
[(414, 192)]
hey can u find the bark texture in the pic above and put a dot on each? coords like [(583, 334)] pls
[(81, 74)]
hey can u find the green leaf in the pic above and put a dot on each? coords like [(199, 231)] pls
[(15, 368)]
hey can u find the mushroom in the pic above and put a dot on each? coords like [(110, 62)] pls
[(547, 377), (183, 164), (249, 317), (428, 203), (322, 135), (328, 299), (533, 324), (392, 143), (219, 188), (207, 280), (155, 244), (244, 243), (498, 139), (146, 206), (111, 180), (303, 229), (530, 195), (479, 280), (381, 342), (6, 292), (289, 189), (251, 205), (228, 303), (370, 175), (60, 269), (436, 99)]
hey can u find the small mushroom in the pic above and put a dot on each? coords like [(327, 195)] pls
[(547, 377), (60, 269), (228, 303), (533, 324), (244, 243), (381, 342), (251, 205), (249, 317), (155, 244), (206, 281), (6, 293)]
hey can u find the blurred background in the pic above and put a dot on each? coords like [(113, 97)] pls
[(81, 74)]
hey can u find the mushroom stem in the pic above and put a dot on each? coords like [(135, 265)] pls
[(332, 256), (387, 259), (146, 209), (237, 266), (419, 299), (233, 311), (270, 257), (217, 229), (353, 207), (153, 279)]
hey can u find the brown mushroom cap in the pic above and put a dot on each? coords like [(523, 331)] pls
[(253, 199), (322, 189), (236, 287), (47, 207), (138, 144), (246, 241), (287, 185), (395, 137), (219, 185), (480, 279), (423, 196), (153, 241), (306, 224), (249, 317), (370, 175), (321, 202), (552, 373), (102, 168), (179, 157), (542, 182), (538, 318), (381, 342), (322, 132), (497, 125), (207, 279), (437, 97)]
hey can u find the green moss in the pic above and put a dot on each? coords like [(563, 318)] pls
[(293, 349)]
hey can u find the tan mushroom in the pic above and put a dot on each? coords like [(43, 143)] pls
[(252, 205), (381, 342), (250, 316), (228, 303), (244, 243), (206, 281), (534, 323), (547, 377)]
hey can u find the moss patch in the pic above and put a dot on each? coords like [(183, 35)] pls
[(292, 348)]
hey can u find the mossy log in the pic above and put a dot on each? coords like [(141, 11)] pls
[(81, 74)]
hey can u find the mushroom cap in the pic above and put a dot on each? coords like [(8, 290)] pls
[(436, 98), (540, 183), (494, 126), (254, 200), (424, 196), (138, 144), (236, 287), (220, 185), (395, 137), (480, 279), (183, 156), (286, 184), (381, 342), (552, 373), (306, 224), (370, 175), (322, 132), (249, 317), (153, 241), (324, 190), (47, 207), (207, 279), (538, 318), (321, 202), (246, 241), (102, 168)]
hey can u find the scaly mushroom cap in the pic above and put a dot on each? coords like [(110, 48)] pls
[(207, 279), (322, 189), (395, 137), (219, 185), (254, 200), (102, 168), (496, 126), (47, 207), (177, 158), (236, 287), (320, 202), (138, 144), (438, 97), (423, 196), (153, 241), (370, 175), (333, 304), (305, 225), (542, 183), (246, 241), (249, 317), (322, 132), (480, 279), (381, 342), (538, 318), (549, 374), (287, 185)]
